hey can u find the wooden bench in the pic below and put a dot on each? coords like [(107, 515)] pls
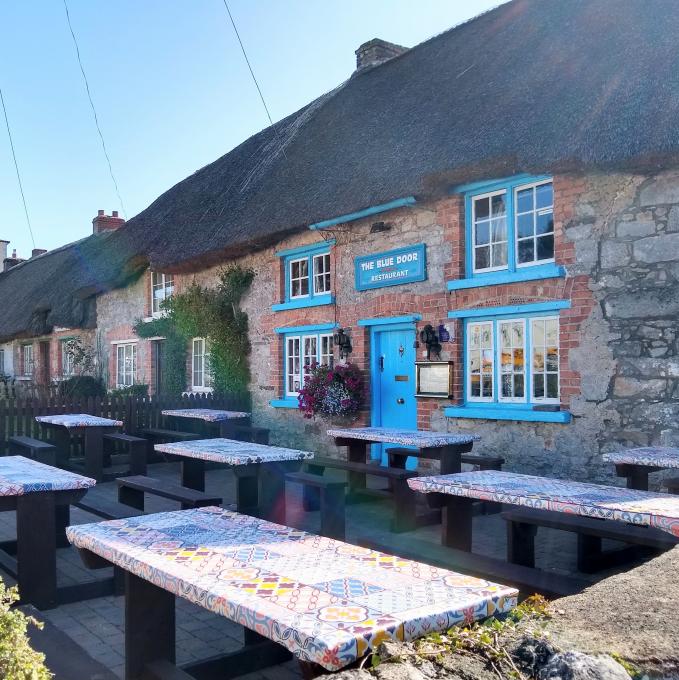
[(63, 656), (34, 449), (157, 433), (330, 496), (404, 498), (106, 508), (255, 435), (528, 580), (522, 525), (131, 492), (134, 447), (397, 458), (672, 485)]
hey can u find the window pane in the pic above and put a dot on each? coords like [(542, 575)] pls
[(525, 225), (545, 247), (518, 386), (482, 233), (552, 386), (482, 260), (498, 205), (552, 335), (524, 200), (538, 385), (526, 251), (499, 255), (544, 196), (481, 208), (487, 384), (475, 386), (498, 228), (544, 223)]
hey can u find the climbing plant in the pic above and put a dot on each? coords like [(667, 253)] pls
[(213, 314)]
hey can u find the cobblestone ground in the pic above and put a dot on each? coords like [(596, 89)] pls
[(97, 625)]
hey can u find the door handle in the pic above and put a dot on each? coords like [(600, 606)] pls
[(382, 364), (400, 400)]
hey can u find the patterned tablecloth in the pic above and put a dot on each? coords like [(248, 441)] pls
[(420, 438), (72, 420), (207, 414), (582, 498), (232, 452), (326, 601), (648, 456), (19, 476)]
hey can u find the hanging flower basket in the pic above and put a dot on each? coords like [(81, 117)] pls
[(335, 391)]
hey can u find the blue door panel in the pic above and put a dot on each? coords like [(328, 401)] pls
[(393, 357)]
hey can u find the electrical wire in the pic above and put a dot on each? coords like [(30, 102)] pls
[(16, 167), (94, 111)]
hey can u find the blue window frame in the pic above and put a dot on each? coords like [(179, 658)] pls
[(308, 278), (511, 363), (509, 232), (303, 346)]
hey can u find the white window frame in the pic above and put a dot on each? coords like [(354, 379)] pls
[(203, 356), (322, 273), (299, 278), (132, 346), (546, 400), (166, 283), (27, 364), (323, 341), (479, 399), (489, 195), (534, 262), (67, 362), (498, 358)]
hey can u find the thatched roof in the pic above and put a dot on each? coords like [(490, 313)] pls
[(531, 86)]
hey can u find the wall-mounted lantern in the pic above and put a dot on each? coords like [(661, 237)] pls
[(343, 341), (431, 341)]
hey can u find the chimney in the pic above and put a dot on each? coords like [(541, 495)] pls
[(104, 222), (3, 250), (376, 52), (37, 251), (9, 262)]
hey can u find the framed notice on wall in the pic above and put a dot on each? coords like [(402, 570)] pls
[(434, 379)]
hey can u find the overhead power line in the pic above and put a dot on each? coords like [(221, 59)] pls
[(16, 167), (94, 111)]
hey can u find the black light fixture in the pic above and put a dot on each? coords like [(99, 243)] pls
[(431, 340), (343, 341)]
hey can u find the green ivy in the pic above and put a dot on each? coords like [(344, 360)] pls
[(213, 314)]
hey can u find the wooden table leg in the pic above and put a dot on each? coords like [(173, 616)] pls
[(357, 452), (310, 670), (456, 525), (450, 457), (272, 489), (94, 453), (247, 489), (193, 473), (227, 429), (311, 495), (149, 625), (62, 513), (521, 543), (637, 476), (37, 549)]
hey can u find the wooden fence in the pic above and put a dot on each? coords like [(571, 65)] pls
[(17, 417)]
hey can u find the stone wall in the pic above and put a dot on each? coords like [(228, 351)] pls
[(617, 235)]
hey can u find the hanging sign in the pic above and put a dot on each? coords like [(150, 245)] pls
[(391, 268)]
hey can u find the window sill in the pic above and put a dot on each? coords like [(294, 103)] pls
[(288, 402), (316, 301), (507, 413), (535, 273)]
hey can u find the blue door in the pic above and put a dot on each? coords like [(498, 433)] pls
[(393, 370)]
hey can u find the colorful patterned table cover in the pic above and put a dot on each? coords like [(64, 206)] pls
[(582, 498), (19, 476), (648, 456), (326, 601), (209, 415), (232, 452), (73, 420), (420, 438)]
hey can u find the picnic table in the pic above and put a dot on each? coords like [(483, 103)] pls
[(445, 447), (254, 465), (226, 419), (327, 602), (456, 492), (92, 428), (41, 495), (637, 464)]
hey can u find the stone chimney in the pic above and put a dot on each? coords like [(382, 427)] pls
[(104, 222), (376, 52), (37, 251)]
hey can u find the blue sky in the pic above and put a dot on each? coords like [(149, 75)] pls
[(171, 89)]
